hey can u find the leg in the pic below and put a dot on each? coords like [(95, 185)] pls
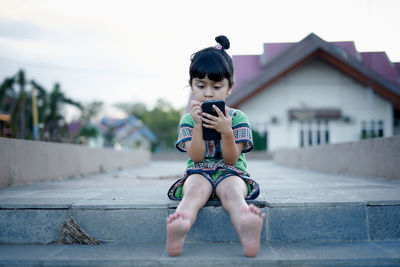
[(246, 219), (196, 192)]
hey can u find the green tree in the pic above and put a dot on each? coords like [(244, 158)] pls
[(259, 140), (19, 105), (7, 93), (55, 120), (88, 113), (162, 120), (15, 102), (136, 109)]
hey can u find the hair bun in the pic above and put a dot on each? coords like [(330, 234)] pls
[(223, 41)]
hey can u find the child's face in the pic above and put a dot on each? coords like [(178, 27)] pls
[(206, 89)]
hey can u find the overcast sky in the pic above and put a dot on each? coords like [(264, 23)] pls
[(130, 51)]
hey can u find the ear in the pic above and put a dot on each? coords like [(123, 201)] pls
[(229, 92)]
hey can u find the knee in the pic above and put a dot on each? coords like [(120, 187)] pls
[(196, 191), (230, 193)]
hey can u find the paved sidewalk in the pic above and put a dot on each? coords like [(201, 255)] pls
[(205, 255), (147, 185)]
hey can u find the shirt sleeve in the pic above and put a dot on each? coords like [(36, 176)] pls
[(242, 131), (185, 132)]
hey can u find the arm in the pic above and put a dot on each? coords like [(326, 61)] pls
[(195, 147), (231, 151)]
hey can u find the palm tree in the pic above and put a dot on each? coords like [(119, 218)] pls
[(22, 97), (7, 93), (15, 103), (55, 121), (19, 104)]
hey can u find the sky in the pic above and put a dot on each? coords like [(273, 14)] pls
[(124, 51)]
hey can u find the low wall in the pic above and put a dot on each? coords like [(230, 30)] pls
[(23, 161), (379, 157)]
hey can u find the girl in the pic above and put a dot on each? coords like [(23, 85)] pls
[(217, 168)]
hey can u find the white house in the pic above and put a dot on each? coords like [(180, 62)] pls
[(315, 92), (127, 133)]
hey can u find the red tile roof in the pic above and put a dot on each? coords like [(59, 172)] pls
[(255, 73), (380, 63), (247, 67)]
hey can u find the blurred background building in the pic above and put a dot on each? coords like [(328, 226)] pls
[(122, 134), (316, 92)]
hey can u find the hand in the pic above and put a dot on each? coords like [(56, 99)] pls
[(195, 111), (222, 123)]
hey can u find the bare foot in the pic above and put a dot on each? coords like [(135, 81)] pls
[(178, 224), (250, 227)]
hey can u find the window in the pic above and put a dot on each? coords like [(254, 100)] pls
[(318, 133), (380, 129), (315, 134), (376, 129), (301, 134), (326, 132)]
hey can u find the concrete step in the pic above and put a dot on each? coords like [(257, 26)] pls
[(130, 207), (383, 253), (329, 222), (125, 224)]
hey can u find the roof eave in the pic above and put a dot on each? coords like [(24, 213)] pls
[(310, 47)]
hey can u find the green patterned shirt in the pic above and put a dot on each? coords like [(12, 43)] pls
[(213, 148)]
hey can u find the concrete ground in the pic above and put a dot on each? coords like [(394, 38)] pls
[(280, 186), (313, 218)]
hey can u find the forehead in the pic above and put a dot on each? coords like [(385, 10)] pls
[(207, 80)]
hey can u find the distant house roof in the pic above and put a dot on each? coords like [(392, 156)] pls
[(372, 69), (127, 128), (149, 134), (74, 127), (115, 123), (135, 134)]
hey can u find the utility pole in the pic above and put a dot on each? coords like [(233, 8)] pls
[(35, 114)]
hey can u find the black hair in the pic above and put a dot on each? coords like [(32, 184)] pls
[(213, 62)]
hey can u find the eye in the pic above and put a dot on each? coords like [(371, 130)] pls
[(217, 87), (200, 86)]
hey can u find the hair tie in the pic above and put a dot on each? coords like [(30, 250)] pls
[(218, 47)]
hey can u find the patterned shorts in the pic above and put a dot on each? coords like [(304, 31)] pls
[(214, 177)]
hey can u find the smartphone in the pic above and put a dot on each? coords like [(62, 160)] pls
[(207, 107)]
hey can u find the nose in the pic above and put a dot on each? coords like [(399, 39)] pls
[(208, 92)]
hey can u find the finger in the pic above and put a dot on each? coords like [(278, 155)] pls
[(209, 116), (226, 111), (209, 126), (195, 111), (219, 112), (196, 107), (205, 120), (194, 102)]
